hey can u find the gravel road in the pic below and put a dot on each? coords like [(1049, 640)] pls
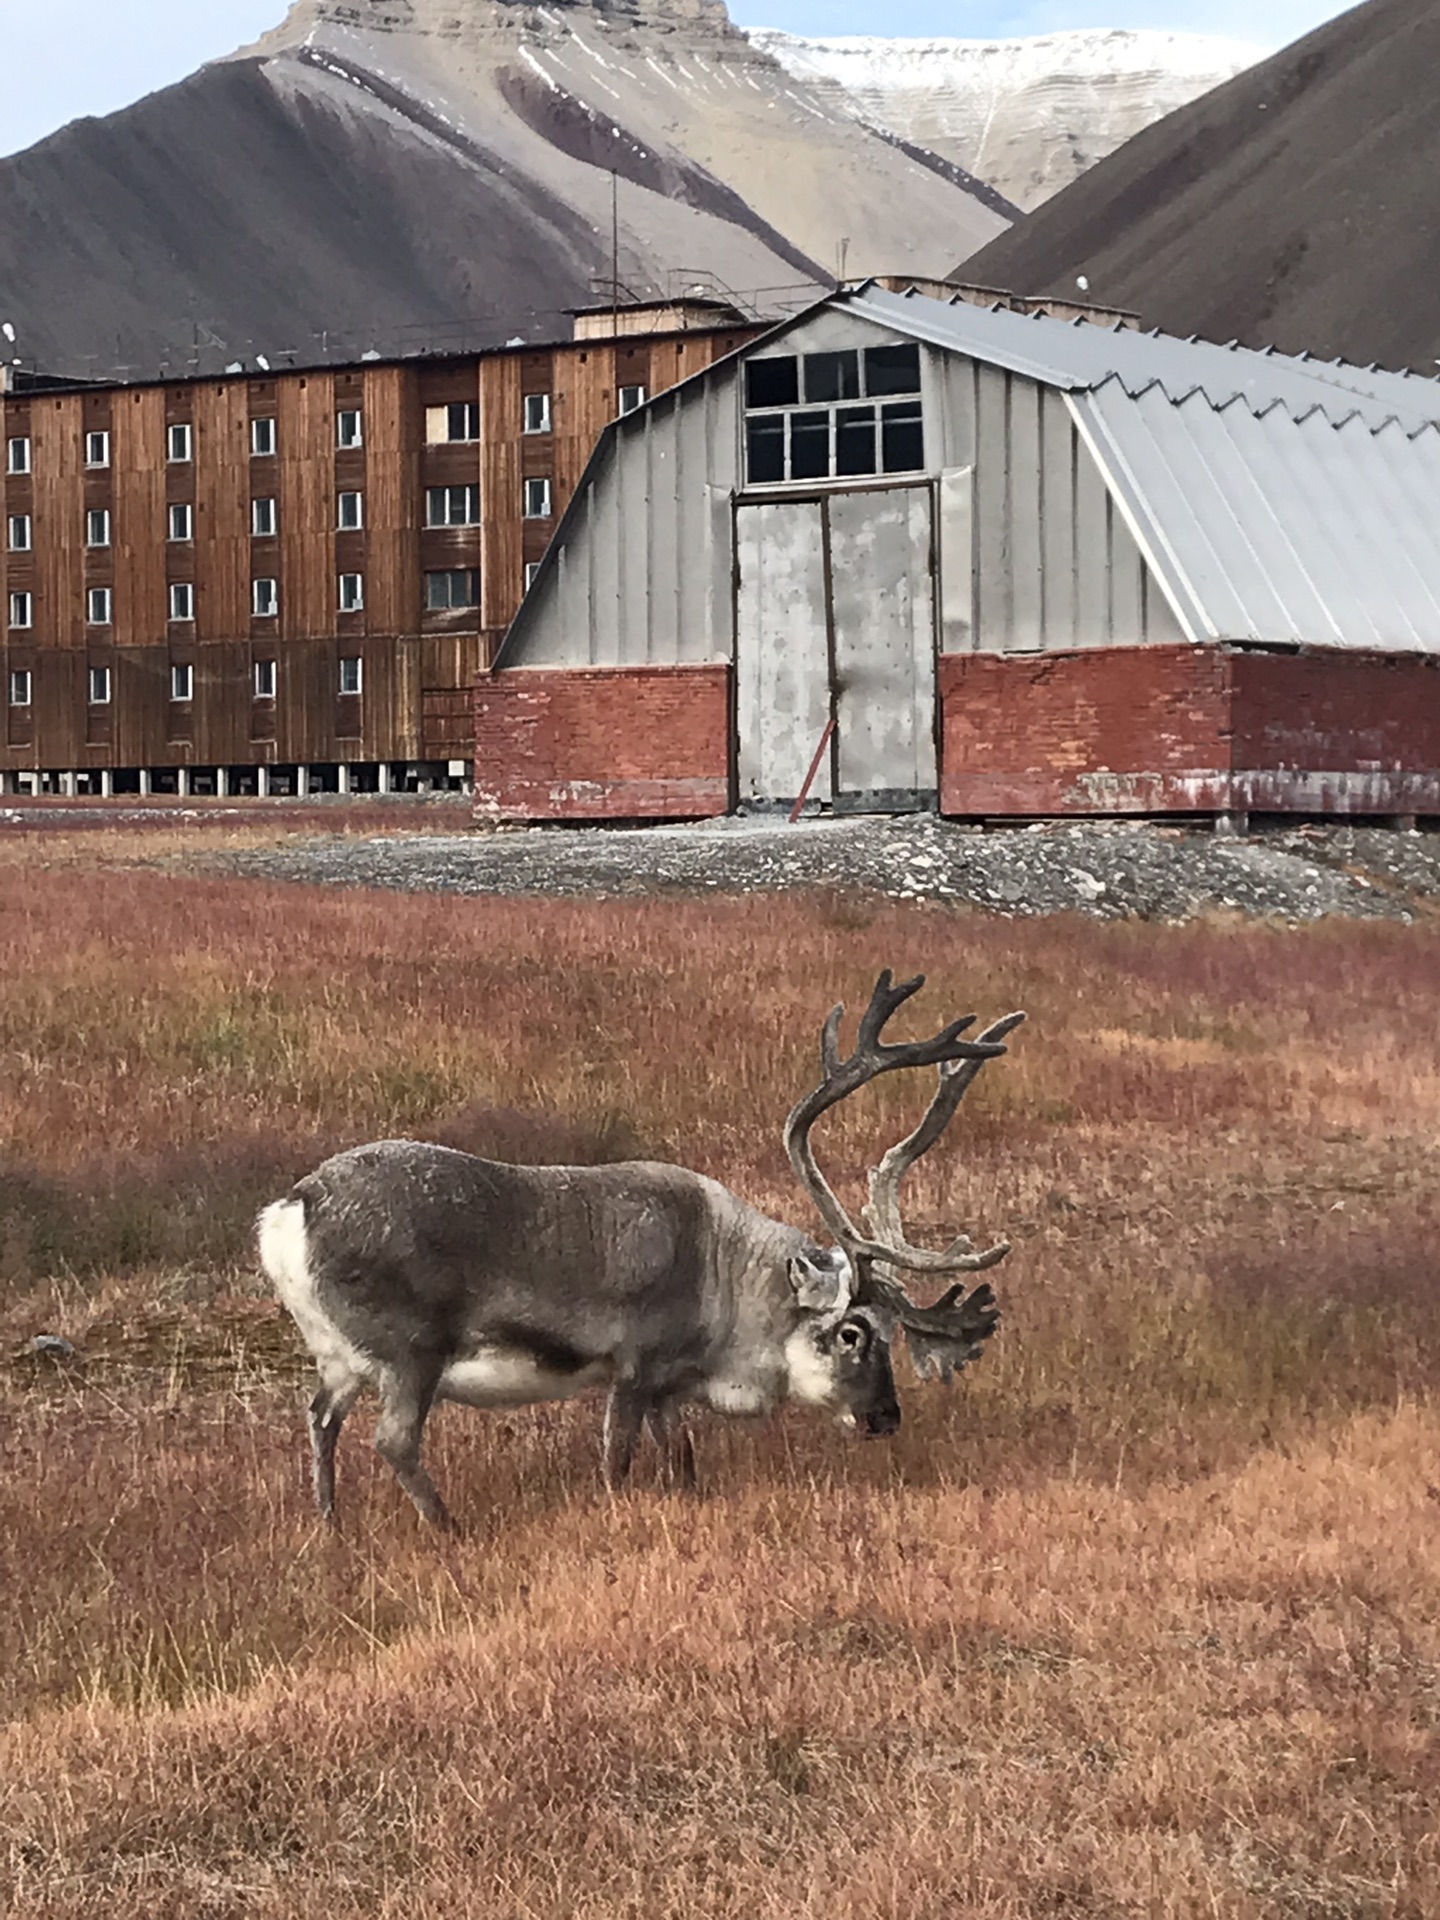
[(1111, 870)]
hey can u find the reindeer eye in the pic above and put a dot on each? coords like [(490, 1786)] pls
[(851, 1335)]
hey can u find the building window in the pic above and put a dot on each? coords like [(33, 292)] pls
[(452, 507), (264, 520), (182, 682), (459, 421), (17, 457), (99, 686), (631, 398), (97, 449), (182, 521), (532, 567), (97, 527), (459, 587), (98, 603), (349, 428), (264, 598), (182, 600), (537, 499), (351, 672), (265, 679), (351, 515), (22, 610), (20, 687), (829, 416), (537, 413), (180, 442), (19, 533), (352, 592), (262, 438)]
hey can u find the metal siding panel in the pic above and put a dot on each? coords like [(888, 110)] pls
[(957, 560), (994, 622), (884, 641), (1025, 500), (1094, 624), (663, 611), (782, 662), (1057, 522)]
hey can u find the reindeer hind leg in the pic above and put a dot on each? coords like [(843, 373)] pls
[(399, 1433), (339, 1390)]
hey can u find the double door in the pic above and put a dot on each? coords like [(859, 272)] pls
[(835, 620)]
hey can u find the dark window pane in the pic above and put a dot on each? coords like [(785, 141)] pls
[(765, 448), (772, 383), (855, 440), (892, 370), (437, 591), (902, 437), (809, 446), (832, 376), (467, 585)]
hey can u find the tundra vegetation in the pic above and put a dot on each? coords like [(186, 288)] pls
[(1140, 1618)]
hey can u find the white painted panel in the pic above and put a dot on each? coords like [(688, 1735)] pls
[(782, 664), (884, 621)]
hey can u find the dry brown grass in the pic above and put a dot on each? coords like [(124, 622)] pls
[(1143, 1620)]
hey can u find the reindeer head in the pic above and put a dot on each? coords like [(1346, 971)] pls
[(944, 1337)]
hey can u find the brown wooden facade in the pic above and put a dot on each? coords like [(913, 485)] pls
[(187, 702)]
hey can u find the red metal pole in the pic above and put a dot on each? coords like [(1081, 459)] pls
[(799, 805)]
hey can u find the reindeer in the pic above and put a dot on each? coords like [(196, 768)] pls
[(435, 1275)]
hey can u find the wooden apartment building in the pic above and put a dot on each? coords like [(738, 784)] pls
[(286, 581)]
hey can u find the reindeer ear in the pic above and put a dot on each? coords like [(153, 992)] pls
[(821, 1283)]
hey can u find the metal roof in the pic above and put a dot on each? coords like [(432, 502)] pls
[(1074, 353), (1278, 500)]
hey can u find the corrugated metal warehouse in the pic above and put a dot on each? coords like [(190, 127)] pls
[(1010, 565)]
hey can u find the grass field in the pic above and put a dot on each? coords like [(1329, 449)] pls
[(1143, 1618)]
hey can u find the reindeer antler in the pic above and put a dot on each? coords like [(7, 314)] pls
[(953, 1331)]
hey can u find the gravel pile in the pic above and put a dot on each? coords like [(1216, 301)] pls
[(1111, 870)]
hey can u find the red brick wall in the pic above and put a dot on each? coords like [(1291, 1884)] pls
[(602, 743), (1189, 729)]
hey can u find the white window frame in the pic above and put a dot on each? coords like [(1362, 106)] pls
[(22, 611), (20, 533), (264, 589), (266, 677), (349, 427), (182, 595), (264, 517), (17, 454), (353, 586), (97, 447), (472, 505), (629, 399), (532, 567), (264, 437), (356, 674), (440, 421), (22, 687), (536, 412), (341, 523), (99, 606), (187, 508), (97, 527), (180, 443), (533, 496), (182, 676), (98, 677)]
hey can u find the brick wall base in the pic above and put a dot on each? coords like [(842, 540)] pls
[(602, 743), (1141, 730)]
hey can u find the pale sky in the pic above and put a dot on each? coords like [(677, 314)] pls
[(61, 59)]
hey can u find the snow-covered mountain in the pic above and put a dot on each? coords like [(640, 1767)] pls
[(1026, 116)]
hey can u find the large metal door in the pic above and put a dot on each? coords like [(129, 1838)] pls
[(883, 627), (782, 649), (835, 618)]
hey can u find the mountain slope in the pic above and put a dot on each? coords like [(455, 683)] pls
[(1296, 206), (1028, 116), (389, 172)]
